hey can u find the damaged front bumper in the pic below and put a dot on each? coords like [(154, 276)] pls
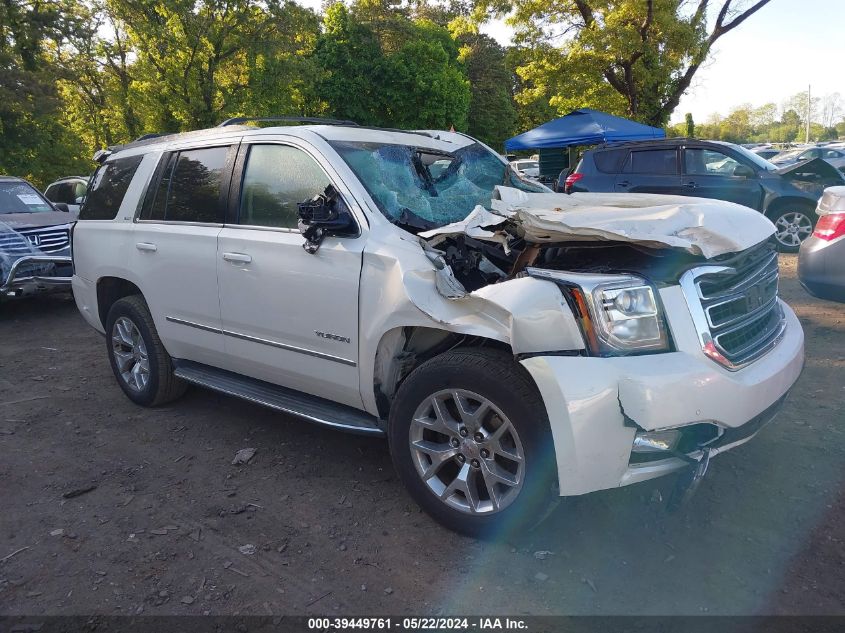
[(598, 407), (20, 281)]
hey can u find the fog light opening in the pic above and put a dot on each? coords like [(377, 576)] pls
[(656, 441)]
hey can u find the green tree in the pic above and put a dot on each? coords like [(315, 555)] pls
[(637, 57), (352, 68), (193, 57), (379, 67), (33, 141), (492, 113), (689, 125)]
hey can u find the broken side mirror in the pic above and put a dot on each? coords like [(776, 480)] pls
[(324, 214), (743, 171)]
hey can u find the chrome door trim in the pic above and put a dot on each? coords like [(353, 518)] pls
[(263, 341)]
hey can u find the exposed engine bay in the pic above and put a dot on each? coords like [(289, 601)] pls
[(658, 237)]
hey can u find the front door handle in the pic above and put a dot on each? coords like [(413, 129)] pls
[(146, 246), (691, 185), (624, 183), (237, 258)]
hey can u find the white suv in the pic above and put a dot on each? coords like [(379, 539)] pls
[(513, 344)]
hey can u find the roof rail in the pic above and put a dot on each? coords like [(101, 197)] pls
[(290, 119), (145, 137)]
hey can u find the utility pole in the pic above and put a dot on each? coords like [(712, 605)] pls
[(807, 133)]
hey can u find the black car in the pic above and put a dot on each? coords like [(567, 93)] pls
[(710, 169)]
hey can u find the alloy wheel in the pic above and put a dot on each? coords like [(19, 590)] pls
[(467, 452), (792, 228), (130, 354)]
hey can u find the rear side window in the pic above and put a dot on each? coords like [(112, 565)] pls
[(652, 161), (191, 187), (108, 186), (610, 162)]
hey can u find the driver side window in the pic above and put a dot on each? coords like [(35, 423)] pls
[(276, 179), (708, 162)]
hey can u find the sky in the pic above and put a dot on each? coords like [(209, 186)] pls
[(776, 53)]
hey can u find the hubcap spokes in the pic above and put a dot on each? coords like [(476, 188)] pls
[(130, 354), (793, 228), (467, 451)]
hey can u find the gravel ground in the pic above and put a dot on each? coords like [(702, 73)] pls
[(109, 508)]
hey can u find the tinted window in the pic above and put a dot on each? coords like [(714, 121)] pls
[(831, 153), (707, 161), (21, 197), (195, 186), (653, 161), (62, 192), (277, 178), (108, 186), (156, 199), (609, 162)]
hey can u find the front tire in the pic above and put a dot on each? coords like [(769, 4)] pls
[(794, 223), (470, 439), (141, 365)]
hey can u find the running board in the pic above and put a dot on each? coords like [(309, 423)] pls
[(303, 405)]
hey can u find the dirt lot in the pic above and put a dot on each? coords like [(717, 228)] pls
[(171, 525)]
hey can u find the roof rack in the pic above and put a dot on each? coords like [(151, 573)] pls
[(145, 137), (289, 119)]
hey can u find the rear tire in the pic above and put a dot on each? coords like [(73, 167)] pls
[(141, 365), (470, 439)]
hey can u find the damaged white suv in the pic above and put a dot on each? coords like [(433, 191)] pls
[(511, 343)]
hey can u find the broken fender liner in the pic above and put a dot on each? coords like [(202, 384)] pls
[(700, 226)]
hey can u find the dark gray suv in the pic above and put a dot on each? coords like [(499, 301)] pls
[(710, 169)]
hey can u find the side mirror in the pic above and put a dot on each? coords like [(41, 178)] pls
[(61, 206), (324, 214), (743, 171)]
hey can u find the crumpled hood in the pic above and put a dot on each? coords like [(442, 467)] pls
[(810, 165), (33, 220), (700, 226)]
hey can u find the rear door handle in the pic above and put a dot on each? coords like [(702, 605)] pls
[(691, 185), (146, 246), (624, 183), (237, 258)]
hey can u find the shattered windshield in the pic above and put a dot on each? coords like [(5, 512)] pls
[(427, 188), (20, 197)]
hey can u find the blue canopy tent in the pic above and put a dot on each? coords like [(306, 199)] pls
[(582, 127)]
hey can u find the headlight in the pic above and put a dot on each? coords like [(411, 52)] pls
[(619, 314), (628, 317)]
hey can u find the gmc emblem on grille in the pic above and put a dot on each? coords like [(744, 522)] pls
[(35, 240), (754, 298)]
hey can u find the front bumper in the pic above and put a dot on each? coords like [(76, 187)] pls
[(19, 282), (597, 405)]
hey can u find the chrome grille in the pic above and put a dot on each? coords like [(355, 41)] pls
[(28, 241), (736, 308)]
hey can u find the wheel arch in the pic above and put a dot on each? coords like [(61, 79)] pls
[(778, 204), (403, 349), (111, 290)]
